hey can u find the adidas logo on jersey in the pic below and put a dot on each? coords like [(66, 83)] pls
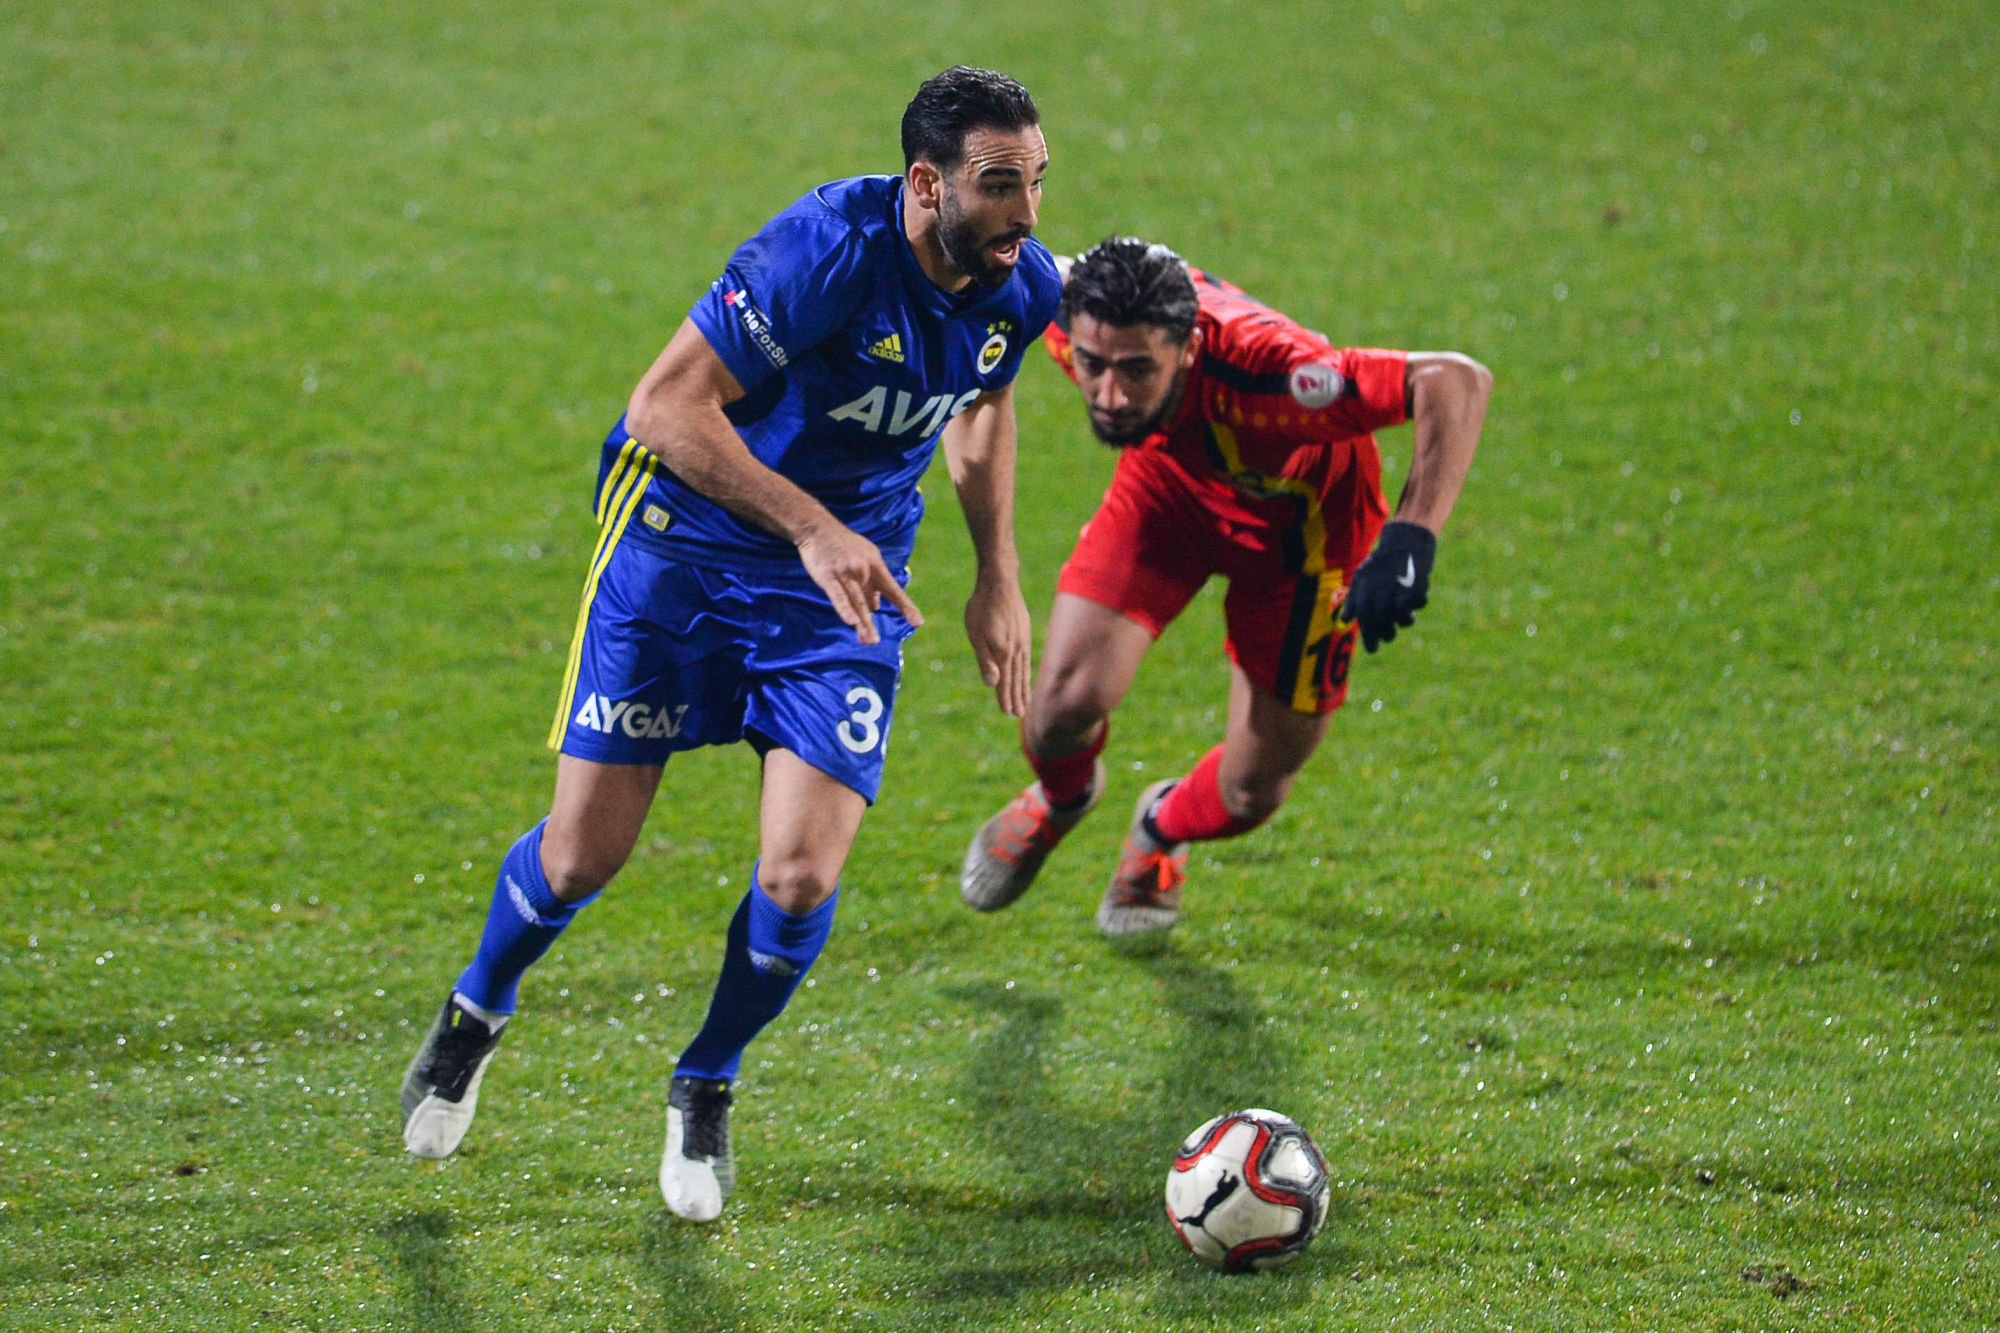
[(634, 719), (888, 349)]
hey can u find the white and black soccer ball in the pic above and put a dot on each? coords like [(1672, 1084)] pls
[(1248, 1191)]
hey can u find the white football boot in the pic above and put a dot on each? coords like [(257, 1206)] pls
[(697, 1172), (441, 1086)]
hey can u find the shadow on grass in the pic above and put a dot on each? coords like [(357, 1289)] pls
[(676, 1256), (1081, 1185), (433, 1286), (1215, 1061), (1663, 927), (1221, 1059), (1006, 1087)]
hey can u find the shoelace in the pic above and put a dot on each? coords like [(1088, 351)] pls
[(706, 1122), (1024, 827), (1160, 867), (456, 1054)]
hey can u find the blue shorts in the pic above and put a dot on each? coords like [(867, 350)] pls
[(670, 656)]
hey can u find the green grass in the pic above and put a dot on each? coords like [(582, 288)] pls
[(1631, 945)]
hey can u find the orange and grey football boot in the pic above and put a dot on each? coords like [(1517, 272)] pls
[(1145, 889), (1008, 851)]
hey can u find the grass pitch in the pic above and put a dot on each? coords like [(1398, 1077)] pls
[(1631, 948)]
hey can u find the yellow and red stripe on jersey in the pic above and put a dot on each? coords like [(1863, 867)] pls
[(1308, 553)]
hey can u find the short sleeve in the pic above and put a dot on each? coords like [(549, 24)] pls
[(783, 292), (1342, 391), (1375, 390)]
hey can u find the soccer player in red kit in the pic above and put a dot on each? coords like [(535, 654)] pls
[(1246, 451)]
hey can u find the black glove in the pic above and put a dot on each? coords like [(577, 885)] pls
[(1393, 583)]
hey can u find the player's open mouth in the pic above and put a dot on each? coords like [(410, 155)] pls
[(1007, 251)]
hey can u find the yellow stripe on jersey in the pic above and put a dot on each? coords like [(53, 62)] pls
[(623, 489), (1313, 533)]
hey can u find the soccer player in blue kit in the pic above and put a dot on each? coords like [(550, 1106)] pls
[(757, 504)]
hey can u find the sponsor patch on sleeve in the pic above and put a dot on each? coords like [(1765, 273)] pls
[(1315, 385), (757, 324)]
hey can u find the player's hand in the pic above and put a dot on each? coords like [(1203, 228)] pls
[(851, 572), (1393, 583), (997, 623)]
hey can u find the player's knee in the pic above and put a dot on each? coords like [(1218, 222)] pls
[(577, 872), (1255, 799), (795, 884), (1068, 712)]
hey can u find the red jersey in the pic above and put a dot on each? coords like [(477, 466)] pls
[(1274, 427)]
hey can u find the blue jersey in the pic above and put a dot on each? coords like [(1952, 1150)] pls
[(851, 361)]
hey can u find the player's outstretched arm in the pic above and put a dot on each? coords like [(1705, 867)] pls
[(1447, 394), (979, 450), (677, 413)]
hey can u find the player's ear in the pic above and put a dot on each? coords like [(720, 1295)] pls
[(1191, 350), (926, 183)]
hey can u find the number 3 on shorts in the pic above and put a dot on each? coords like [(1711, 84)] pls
[(859, 733)]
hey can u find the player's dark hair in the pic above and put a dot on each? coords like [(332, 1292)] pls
[(1124, 281), (953, 104)]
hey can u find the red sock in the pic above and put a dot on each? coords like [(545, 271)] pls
[(1193, 811), (1065, 780)]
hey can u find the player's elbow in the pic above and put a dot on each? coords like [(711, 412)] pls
[(685, 381), (1450, 383), (1469, 379), (661, 412), (1482, 379), (647, 413)]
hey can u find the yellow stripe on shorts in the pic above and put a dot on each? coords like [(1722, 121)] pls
[(611, 481), (623, 488), (1316, 633)]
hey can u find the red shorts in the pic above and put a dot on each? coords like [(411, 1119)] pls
[(1155, 541)]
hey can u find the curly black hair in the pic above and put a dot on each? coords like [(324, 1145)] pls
[(1124, 281)]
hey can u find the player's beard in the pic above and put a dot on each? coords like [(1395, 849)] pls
[(968, 252), (1124, 437)]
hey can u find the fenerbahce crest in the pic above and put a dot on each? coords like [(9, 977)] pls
[(991, 351)]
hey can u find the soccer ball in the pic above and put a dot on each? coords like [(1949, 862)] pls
[(1247, 1191)]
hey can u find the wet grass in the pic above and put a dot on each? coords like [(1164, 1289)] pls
[(1631, 949)]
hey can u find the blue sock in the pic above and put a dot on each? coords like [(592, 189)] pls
[(767, 956), (524, 920)]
